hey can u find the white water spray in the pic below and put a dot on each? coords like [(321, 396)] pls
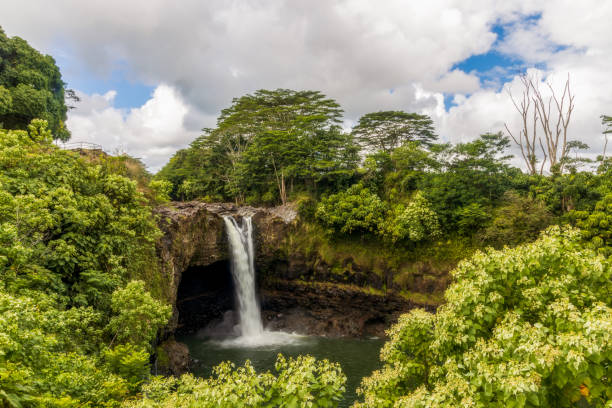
[(243, 272), (252, 333)]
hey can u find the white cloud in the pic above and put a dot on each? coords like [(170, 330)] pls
[(152, 132), (367, 55), (586, 56)]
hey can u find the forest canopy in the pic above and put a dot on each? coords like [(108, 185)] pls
[(264, 145)]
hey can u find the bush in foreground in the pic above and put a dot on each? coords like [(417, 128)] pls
[(523, 327), (299, 382)]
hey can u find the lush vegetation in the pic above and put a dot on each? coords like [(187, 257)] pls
[(275, 146), (76, 241), (299, 382), (31, 87), (82, 299), (524, 327), (77, 321)]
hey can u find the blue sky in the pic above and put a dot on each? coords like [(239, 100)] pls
[(131, 92), (494, 68)]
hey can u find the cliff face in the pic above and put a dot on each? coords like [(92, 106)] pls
[(299, 289), (194, 238)]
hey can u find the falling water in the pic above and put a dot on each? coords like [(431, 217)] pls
[(243, 272)]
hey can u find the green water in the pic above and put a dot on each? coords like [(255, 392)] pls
[(358, 357)]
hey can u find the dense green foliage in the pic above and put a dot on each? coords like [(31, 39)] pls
[(75, 327), (389, 130), (31, 87), (72, 234), (516, 220), (359, 211), (300, 382), (264, 145), (356, 210), (524, 327), (415, 222), (597, 226)]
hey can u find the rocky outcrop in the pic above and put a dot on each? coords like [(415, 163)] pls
[(194, 236), (300, 290), (330, 309), (172, 358)]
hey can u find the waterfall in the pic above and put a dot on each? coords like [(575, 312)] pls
[(243, 272), (242, 254)]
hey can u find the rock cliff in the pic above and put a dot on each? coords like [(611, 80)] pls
[(298, 289)]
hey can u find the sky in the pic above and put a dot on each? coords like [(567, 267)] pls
[(151, 74)]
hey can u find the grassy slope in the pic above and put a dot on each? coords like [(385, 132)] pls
[(417, 272)]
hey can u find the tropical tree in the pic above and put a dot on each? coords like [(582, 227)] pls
[(606, 122), (387, 130), (469, 173), (31, 87), (267, 142)]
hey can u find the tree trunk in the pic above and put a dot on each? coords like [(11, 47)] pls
[(283, 191)]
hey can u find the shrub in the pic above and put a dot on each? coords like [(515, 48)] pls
[(130, 363), (471, 218), (299, 382), (523, 327), (306, 207), (160, 190), (416, 222), (518, 220), (137, 315), (596, 226), (356, 210)]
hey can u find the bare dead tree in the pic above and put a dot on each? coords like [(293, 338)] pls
[(552, 114), (526, 139), (555, 136)]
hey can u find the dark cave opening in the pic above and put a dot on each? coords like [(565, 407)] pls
[(205, 294)]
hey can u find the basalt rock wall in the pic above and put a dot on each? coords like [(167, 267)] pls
[(298, 290), (194, 236)]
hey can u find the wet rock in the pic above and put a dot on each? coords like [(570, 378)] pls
[(172, 358), (194, 236), (331, 310)]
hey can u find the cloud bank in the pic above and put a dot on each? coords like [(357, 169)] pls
[(369, 56)]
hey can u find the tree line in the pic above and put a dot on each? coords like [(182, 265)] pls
[(275, 146)]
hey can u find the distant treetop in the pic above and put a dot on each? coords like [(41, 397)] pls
[(387, 130)]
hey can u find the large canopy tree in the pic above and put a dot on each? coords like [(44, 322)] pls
[(387, 130), (31, 87), (606, 121), (266, 142)]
